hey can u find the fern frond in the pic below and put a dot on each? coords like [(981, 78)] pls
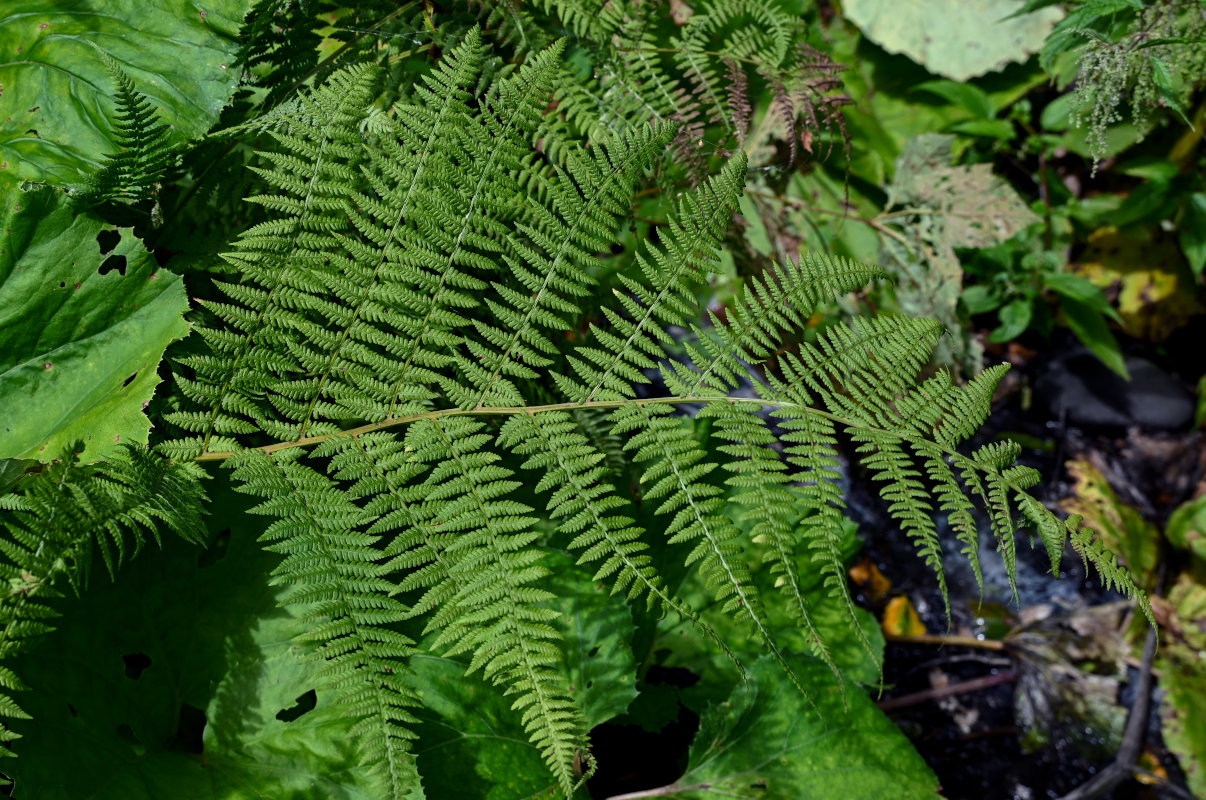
[(674, 471), (634, 343), (580, 497), (771, 304), (332, 574), (490, 605), (586, 203), (282, 263), (760, 481), (145, 152), (396, 289), (52, 523)]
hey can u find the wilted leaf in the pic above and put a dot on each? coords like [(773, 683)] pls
[(767, 742), (1122, 529), (958, 39), (939, 208), (866, 576), (55, 94), (1182, 667), (1069, 671), (87, 315)]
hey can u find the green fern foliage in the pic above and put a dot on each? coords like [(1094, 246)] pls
[(56, 520), (145, 153), (333, 575)]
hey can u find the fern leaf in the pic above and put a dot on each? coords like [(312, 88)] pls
[(760, 481), (491, 607), (332, 573), (776, 302), (281, 262), (583, 500), (689, 247), (144, 155), (674, 472), (587, 201)]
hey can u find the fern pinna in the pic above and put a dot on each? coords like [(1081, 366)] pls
[(376, 376)]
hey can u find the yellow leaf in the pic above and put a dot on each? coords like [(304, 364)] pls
[(901, 619), (1145, 276)]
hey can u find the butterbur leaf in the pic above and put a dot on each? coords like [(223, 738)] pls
[(132, 701), (180, 55), (597, 635), (83, 328), (957, 39), (471, 742), (765, 741)]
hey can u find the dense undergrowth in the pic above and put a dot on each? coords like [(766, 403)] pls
[(394, 396)]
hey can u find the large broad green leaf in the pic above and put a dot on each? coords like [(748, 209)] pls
[(767, 742), (56, 97), (471, 742), (181, 682), (85, 318), (957, 39)]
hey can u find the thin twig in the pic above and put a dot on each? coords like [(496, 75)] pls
[(938, 692), (661, 791), (944, 641)]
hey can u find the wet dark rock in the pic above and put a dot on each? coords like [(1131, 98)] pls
[(1080, 390)]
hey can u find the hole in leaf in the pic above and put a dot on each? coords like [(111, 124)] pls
[(135, 664), (190, 730), (305, 703), (594, 651), (216, 550), (129, 380), (62, 284), (113, 263), (108, 240)]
